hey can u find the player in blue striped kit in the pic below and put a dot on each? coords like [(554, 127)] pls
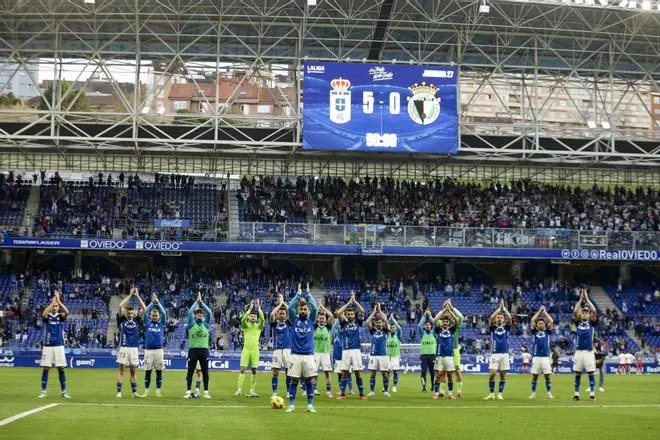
[(585, 317), (54, 316), (500, 327), (281, 328), (542, 324), (445, 327), (155, 319), (378, 360), (302, 316), (129, 340), (337, 349)]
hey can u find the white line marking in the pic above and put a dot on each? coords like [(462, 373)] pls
[(430, 406), (18, 416)]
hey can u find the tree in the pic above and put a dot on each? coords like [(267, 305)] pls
[(81, 103), (7, 100)]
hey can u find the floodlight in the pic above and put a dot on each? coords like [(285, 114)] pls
[(606, 125), (591, 124)]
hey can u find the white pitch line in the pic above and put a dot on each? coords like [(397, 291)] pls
[(18, 416), (444, 407)]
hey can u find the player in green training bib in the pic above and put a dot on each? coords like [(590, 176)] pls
[(252, 325), (393, 349), (322, 338), (457, 348)]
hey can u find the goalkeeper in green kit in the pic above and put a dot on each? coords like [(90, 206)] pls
[(457, 349), (252, 323)]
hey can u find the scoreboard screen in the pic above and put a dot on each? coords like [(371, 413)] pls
[(380, 107)]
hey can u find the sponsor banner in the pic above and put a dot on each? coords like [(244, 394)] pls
[(342, 249), (171, 223)]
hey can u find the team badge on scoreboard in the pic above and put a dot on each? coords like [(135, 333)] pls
[(423, 105), (340, 101)]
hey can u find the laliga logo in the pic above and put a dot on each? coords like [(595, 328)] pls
[(315, 69), (158, 245), (423, 105)]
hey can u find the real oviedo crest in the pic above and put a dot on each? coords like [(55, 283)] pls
[(340, 101)]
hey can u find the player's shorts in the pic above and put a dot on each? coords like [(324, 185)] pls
[(127, 356), (322, 361), (337, 366), (301, 365), (250, 357), (395, 363), (53, 355), (457, 359), (154, 359), (584, 360), (379, 363), (499, 361), (541, 365), (444, 363), (281, 358), (351, 359)]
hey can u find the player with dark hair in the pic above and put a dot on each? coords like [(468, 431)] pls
[(378, 360), (500, 327), (445, 327), (54, 315), (252, 323), (457, 348), (351, 358), (542, 324), (337, 349), (199, 325), (428, 344), (129, 340), (155, 320), (302, 316), (281, 329), (600, 353), (322, 339), (585, 317)]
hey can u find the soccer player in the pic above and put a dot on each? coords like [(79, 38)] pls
[(542, 324), (199, 326), (155, 320), (281, 328), (457, 348), (351, 356), (428, 345), (337, 349), (323, 327), (526, 358), (54, 315), (445, 325), (393, 348), (378, 360), (129, 340), (639, 356), (585, 317), (302, 316), (500, 326), (622, 363), (252, 324), (600, 353)]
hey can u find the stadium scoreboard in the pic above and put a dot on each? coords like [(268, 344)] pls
[(380, 107)]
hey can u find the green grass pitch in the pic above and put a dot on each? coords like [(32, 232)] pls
[(629, 409)]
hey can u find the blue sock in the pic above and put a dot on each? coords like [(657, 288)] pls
[(288, 383), (119, 386), (339, 380), (436, 387), (198, 384), (328, 387), (548, 385), (501, 387), (592, 383), (133, 387), (534, 386), (159, 379), (342, 386), (62, 380), (386, 384), (350, 382), (577, 383), (360, 385), (491, 386), (601, 379), (450, 386), (372, 384), (395, 379), (274, 381), (310, 393), (44, 380), (147, 379), (293, 390)]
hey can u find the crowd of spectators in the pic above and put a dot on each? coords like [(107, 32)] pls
[(270, 199)]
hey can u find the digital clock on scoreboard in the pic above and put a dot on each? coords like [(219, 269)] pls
[(380, 107)]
